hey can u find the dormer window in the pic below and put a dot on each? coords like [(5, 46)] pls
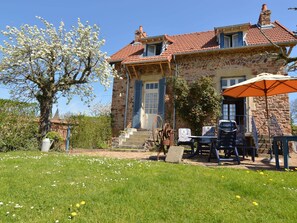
[(153, 49), (229, 40), (155, 45), (232, 36)]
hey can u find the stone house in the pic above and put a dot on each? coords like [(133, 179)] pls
[(228, 54)]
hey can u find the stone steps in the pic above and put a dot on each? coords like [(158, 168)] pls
[(135, 140)]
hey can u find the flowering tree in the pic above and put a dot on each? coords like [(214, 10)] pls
[(101, 109), (45, 63)]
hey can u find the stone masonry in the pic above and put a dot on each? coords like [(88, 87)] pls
[(241, 62)]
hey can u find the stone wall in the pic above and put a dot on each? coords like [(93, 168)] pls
[(60, 126), (118, 104)]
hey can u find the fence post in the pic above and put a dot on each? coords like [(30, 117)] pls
[(67, 139)]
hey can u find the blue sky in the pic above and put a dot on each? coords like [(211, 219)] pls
[(118, 21)]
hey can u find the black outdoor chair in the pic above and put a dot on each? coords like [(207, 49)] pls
[(247, 145), (242, 146), (226, 142)]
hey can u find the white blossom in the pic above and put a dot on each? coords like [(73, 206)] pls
[(46, 63), (73, 59)]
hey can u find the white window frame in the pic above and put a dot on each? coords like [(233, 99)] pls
[(151, 98), (235, 40), (231, 79), (229, 111), (227, 41), (230, 44), (151, 50)]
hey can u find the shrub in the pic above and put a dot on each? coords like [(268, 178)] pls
[(198, 102), (18, 126), (58, 140), (91, 132)]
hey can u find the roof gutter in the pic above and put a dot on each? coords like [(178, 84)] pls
[(147, 61), (115, 61)]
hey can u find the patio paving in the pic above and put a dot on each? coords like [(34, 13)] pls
[(261, 162)]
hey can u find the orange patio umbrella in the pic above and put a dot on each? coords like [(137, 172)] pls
[(264, 85)]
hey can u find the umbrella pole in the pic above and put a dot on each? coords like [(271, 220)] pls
[(268, 122)]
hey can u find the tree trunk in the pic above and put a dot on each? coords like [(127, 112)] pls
[(46, 105)]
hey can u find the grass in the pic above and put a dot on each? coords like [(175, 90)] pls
[(46, 187)]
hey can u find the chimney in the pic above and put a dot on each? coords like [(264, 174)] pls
[(264, 18), (139, 34)]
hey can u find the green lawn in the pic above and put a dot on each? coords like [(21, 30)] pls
[(46, 187)]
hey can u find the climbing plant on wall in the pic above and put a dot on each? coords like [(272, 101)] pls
[(196, 102)]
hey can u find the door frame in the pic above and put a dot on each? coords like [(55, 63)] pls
[(149, 108)]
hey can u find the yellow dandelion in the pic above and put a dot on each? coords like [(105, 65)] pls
[(261, 173), (73, 214), (255, 203), (82, 202), (271, 179), (77, 205), (248, 171), (237, 196), (223, 176)]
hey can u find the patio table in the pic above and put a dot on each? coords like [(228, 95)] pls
[(284, 142), (199, 138)]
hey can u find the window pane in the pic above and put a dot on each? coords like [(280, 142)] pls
[(227, 41), (235, 40), (240, 80), (158, 49), (151, 50), (224, 83), (151, 102), (232, 111), (232, 82), (225, 111)]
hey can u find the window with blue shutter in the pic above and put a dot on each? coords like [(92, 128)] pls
[(231, 40), (137, 104), (162, 90), (153, 49)]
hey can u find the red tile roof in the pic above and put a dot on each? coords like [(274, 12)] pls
[(201, 42), (278, 34)]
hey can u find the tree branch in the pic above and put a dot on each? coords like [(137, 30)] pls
[(283, 54)]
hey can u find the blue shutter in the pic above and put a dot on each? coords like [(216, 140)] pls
[(222, 40), (240, 39), (137, 104), (162, 90)]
